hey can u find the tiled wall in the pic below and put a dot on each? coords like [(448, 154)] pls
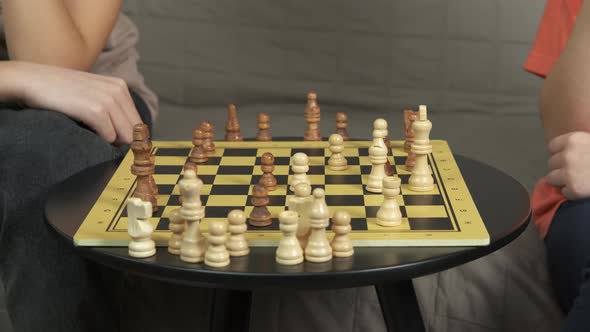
[(455, 55)]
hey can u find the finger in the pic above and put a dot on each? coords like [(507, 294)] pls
[(556, 177), (558, 143), (123, 97), (122, 125), (127, 119), (568, 193), (132, 112), (101, 123), (556, 161)]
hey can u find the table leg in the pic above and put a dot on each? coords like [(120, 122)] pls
[(399, 306), (230, 311)]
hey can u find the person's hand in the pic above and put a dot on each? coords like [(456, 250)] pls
[(569, 164), (102, 103)]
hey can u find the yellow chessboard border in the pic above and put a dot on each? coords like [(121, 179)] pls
[(93, 231)]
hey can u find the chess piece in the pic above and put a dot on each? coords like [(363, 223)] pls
[(192, 166), (260, 216), (342, 125), (232, 128), (143, 166), (389, 213), (208, 145), (194, 244), (198, 154), (301, 203), (378, 157), (267, 179), (300, 167), (217, 254), (177, 226), (318, 247), (337, 161), (421, 178), (387, 166), (263, 124), (341, 243), (237, 245), (409, 117), (289, 251), (312, 117), (140, 229)]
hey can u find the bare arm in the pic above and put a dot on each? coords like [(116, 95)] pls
[(10, 90), (63, 33), (565, 98)]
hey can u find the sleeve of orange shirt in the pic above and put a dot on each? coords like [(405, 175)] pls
[(552, 36), (554, 31)]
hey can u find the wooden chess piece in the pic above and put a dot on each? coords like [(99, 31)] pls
[(389, 213), (378, 157), (260, 215), (341, 243), (232, 128), (301, 203), (289, 251), (198, 154), (177, 226), (194, 244), (312, 117), (143, 166), (189, 166), (208, 145), (300, 167), (267, 179), (421, 178), (387, 166), (217, 254), (237, 245), (342, 125), (337, 161), (318, 247), (140, 228), (409, 117), (263, 124)]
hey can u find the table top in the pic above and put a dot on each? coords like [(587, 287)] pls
[(502, 201)]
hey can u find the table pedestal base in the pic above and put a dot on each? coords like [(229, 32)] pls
[(399, 306), (231, 308)]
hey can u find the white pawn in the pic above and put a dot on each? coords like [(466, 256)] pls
[(300, 166), (289, 251), (177, 226), (301, 203), (318, 247), (337, 161), (194, 244), (378, 157), (341, 243), (237, 245), (421, 178), (140, 229), (389, 213), (217, 254)]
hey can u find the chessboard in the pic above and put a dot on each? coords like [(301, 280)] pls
[(444, 216)]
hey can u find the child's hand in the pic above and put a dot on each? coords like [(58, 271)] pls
[(102, 103), (569, 164)]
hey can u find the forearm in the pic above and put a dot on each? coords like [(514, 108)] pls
[(10, 88), (565, 97), (63, 33)]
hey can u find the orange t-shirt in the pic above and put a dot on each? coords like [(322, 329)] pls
[(554, 30)]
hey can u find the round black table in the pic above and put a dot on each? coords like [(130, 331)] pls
[(502, 202)]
